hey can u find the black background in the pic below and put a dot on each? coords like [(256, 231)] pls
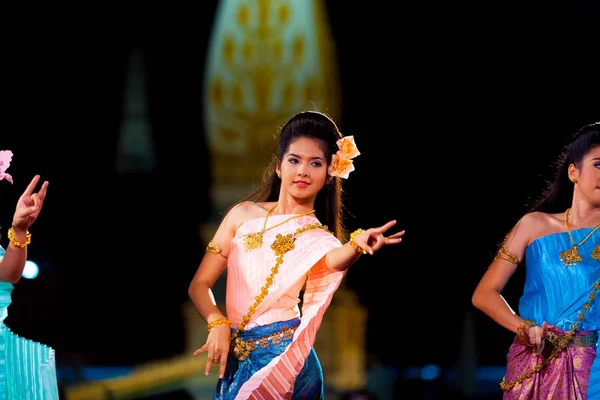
[(459, 113)]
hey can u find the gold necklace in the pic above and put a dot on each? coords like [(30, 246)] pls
[(571, 256), (255, 240)]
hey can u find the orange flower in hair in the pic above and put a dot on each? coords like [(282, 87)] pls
[(347, 147), (340, 166), (341, 162)]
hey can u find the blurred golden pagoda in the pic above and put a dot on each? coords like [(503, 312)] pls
[(267, 60)]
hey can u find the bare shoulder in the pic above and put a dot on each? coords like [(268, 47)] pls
[(246, 211), (537, 224)]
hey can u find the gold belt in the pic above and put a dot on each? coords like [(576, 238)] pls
[(243, 348)]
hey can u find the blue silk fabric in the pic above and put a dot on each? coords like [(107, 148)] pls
[(556, 293), (308, 384)]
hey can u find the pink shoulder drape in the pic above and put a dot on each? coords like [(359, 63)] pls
[(247, 273)]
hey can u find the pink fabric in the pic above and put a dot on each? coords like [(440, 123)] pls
[(247, 273), (564, 378), (5, 159)]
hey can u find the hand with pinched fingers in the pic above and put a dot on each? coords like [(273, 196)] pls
[(216, 348), (535, 336), (29, 205), (371, 240)]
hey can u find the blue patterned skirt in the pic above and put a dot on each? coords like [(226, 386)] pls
[(308, 384)]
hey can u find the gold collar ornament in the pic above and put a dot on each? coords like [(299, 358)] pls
[(571, 257), (255, 240)]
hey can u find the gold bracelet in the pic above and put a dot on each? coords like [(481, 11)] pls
[(15, 242), (218, 322), (520, 334), (356, 247)]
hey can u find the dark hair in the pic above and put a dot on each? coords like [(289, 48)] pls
[(328, 204), (559, 194)]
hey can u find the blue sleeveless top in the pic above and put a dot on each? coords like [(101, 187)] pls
[(556, 293)]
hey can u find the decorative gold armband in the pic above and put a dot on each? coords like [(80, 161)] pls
[(213, 248), (356, 247), (218, 322), (15, 242), (505, 254)]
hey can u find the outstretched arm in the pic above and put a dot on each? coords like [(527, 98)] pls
[(362, 242)]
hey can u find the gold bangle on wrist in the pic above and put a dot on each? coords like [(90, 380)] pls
[(15, 242), (520, 330), (529, 323), (356, 247), (218, 322)]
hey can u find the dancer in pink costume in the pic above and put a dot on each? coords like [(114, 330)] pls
[(283, 239)]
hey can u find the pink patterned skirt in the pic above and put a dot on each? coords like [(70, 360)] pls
[(564, 377)]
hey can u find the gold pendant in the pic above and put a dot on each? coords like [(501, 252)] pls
[(282, 244), (241, 350), (254, 241), (570, 257), (596, 253)]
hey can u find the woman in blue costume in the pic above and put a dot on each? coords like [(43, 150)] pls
[(553, 354), (27, 368)]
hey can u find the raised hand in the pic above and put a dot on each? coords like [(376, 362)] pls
[(373, 239), (29, 205)]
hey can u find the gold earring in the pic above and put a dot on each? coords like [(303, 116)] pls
[(574, 180)]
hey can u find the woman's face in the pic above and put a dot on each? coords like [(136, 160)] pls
[(303, 169), (588, 177)]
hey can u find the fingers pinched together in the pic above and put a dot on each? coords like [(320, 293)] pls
[(535, 336)]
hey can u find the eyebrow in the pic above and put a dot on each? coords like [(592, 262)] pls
[(312, 158)]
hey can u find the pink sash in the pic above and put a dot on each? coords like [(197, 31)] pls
[(276, 380)]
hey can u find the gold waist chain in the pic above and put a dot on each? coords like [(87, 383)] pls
[(245, 347)]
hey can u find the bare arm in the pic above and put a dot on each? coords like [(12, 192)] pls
[(11, 266), (212, 266), (200, 290), (342, 258), (371, 240), (487, 295)]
